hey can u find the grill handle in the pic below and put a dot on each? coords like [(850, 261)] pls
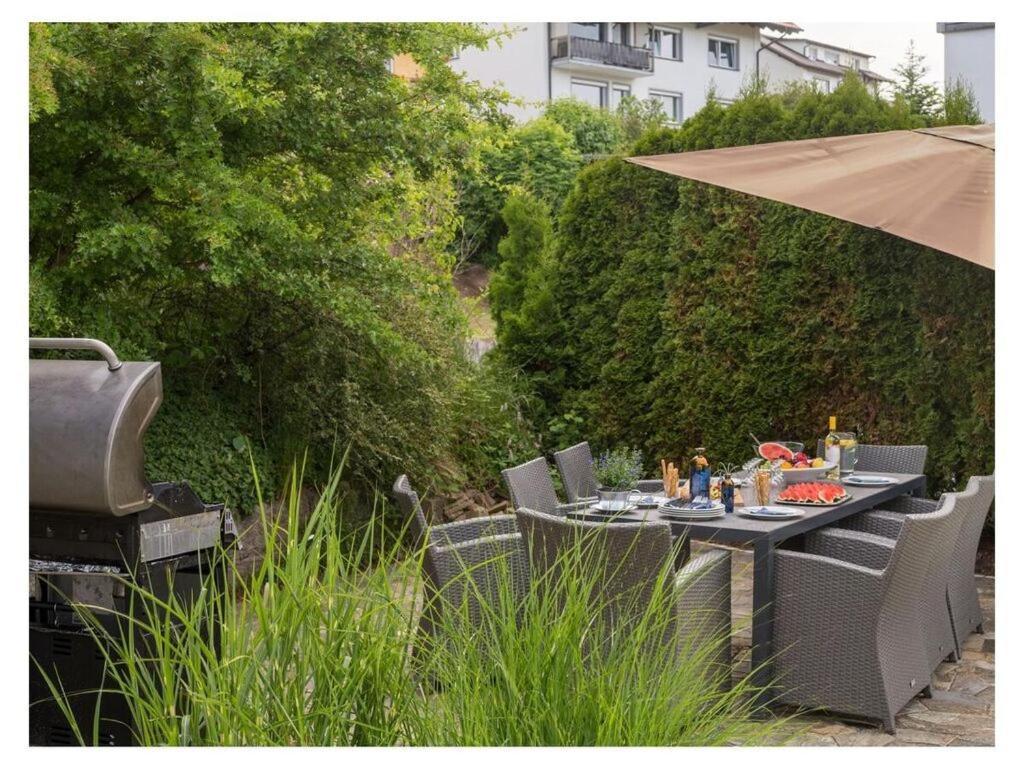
[(94, 345)]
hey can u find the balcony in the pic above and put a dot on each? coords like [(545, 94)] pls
[(598, 56)]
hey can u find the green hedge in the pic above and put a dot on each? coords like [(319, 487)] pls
[(690, 315)]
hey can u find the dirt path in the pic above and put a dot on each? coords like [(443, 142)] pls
[(471, 283)]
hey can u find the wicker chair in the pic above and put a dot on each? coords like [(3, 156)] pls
[(529, 485), (631, 557), (907, 459), (848, 632), (461, 560), (446, 534), (973, 505), (576, 466)]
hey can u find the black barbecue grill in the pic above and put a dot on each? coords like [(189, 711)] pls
[(95, 522)]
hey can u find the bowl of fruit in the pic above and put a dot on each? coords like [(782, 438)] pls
[(795, 466)]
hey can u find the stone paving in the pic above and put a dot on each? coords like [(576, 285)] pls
[(961, 711)]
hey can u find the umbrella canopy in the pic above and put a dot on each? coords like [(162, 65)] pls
[(934, 186)]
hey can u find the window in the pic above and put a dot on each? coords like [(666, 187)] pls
[(666, 43), (822, 84), (723, 53), (832, 57), (810, 52), (671, 105), (595, 94), (591, 30), (856, 63), (619, 92), (620, 33)]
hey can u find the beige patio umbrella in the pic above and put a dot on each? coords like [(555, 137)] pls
[(934, 186)]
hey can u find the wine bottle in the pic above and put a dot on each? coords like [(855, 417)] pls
[(833, 449)]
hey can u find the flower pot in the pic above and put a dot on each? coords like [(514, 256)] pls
[(614, 500)]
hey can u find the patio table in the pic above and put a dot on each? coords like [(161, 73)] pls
[(764, 536)]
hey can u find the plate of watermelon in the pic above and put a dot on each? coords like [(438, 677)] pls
[(814, 494)]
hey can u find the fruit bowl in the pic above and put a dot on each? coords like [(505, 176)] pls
[(805, 474)]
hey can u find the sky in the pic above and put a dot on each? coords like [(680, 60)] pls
[(886, 40)]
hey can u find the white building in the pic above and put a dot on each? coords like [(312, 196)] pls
[(785, 59), (600, 62), (970, 56)]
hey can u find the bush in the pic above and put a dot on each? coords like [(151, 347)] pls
[(691, 315), (594, 131)]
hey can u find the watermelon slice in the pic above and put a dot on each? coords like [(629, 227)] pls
[(774, 451)]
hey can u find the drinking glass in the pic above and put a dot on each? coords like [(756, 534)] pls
[(847, 452)]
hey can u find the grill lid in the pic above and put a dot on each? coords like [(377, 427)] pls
[(86, 425)]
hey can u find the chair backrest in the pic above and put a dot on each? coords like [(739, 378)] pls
[(907, 459), (981, 492), (576, 466), (409, 504), (529, 485), (627, 559)]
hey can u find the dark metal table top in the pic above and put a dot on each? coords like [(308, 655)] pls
[(739, 529)]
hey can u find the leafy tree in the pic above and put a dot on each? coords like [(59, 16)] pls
[(539, 156), (959, 105), (267, 210), (637, 117), (595, 131), (922, 98)]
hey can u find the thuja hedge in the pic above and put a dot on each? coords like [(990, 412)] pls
[(689, 315)]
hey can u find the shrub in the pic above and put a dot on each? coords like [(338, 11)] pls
[(594, 131), (691, 315)]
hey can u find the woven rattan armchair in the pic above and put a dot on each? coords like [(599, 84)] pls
[(576, 466), (630, 558), (462, 560), (445, 534), (964, 606), (908, 459), (972, 506), (848, 629), (529, 485)]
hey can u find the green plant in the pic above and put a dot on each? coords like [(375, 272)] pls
[(595, 131), (619, 469), (314, 649)]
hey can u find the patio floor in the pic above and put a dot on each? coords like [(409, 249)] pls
[(961, 711)]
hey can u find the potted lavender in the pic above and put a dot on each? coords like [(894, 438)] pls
[(617, 474)]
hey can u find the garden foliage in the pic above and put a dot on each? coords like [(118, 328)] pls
[(683, 314), (268, 211)]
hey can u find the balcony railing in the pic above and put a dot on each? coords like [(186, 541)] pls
[(600, 52)]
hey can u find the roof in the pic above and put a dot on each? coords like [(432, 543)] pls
[(774, 26), (819, 66), (945, 27), (829, 45)]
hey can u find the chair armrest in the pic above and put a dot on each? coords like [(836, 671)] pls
[(448, 534), (815, 583), (911, 505), (703, 608), (857, 547), (575, 506), (876, 521)]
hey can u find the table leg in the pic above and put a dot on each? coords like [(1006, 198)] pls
[(761, 618), (920, 487)]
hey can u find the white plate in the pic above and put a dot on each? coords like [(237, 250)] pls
[(770, 513), (691, 516), (599, 507), (869, 480)]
